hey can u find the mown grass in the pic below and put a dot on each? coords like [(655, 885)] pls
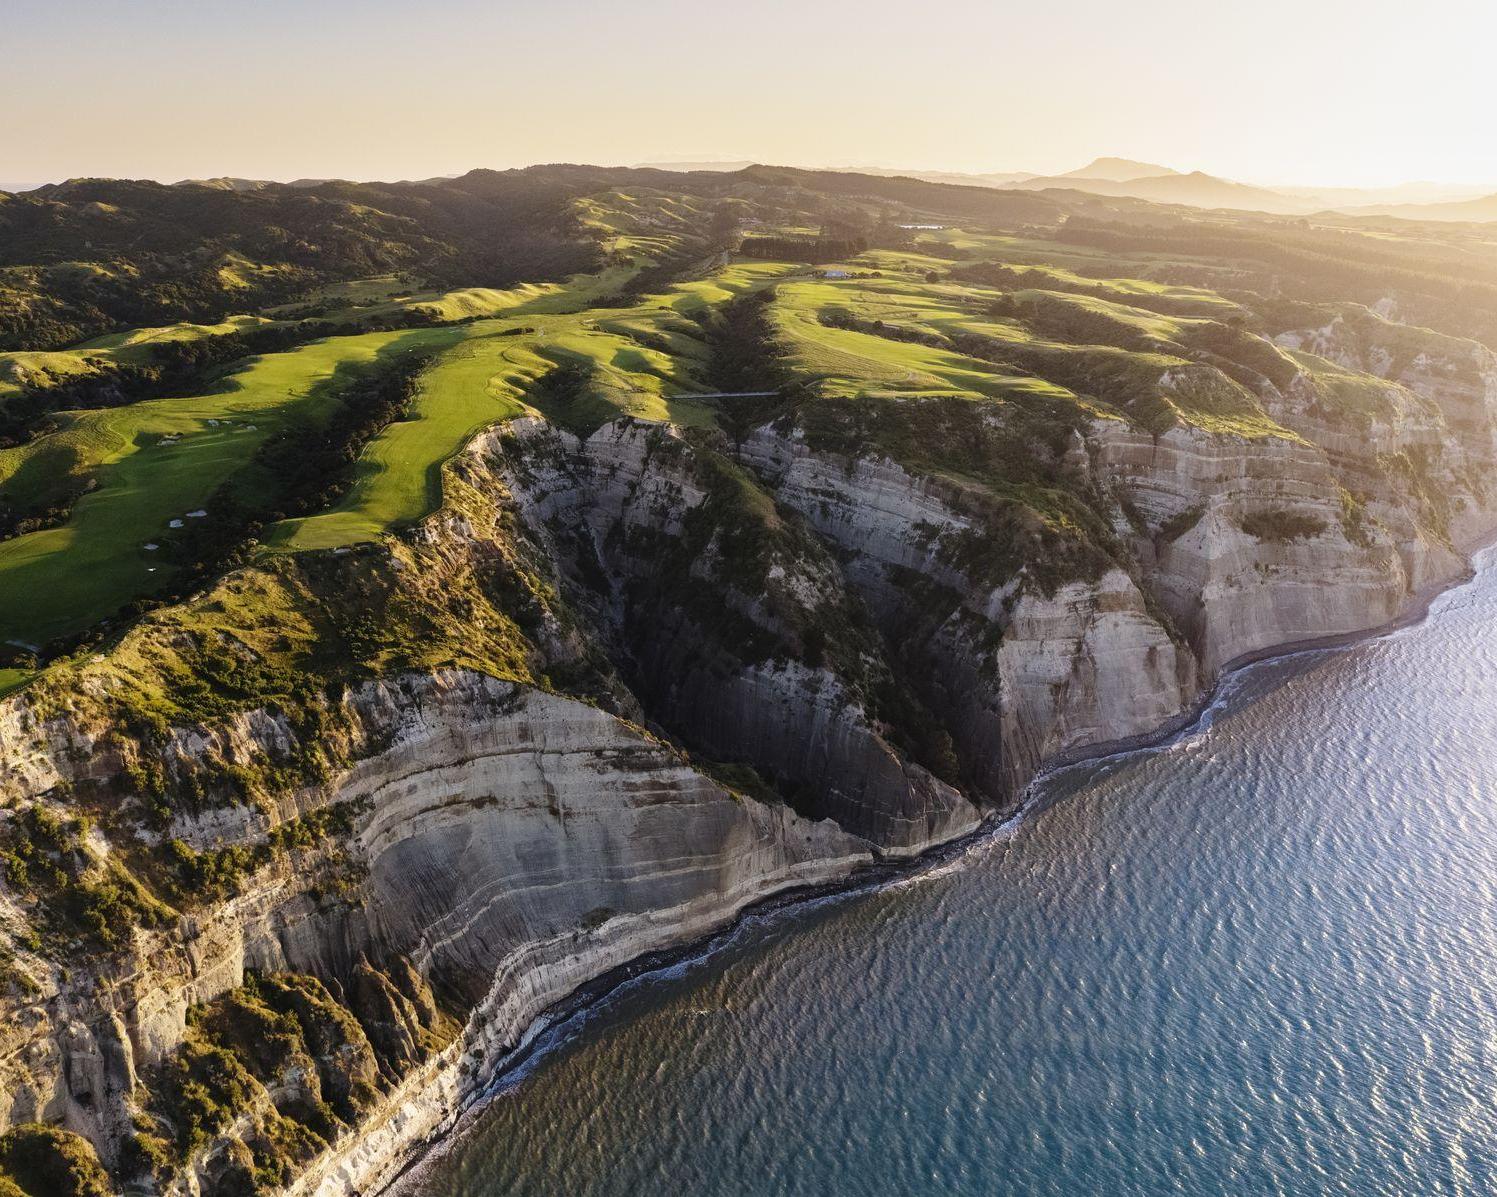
[(1087, 334), (483, 379), (12, 680), (150, 463), (397, 478), (642, 361)]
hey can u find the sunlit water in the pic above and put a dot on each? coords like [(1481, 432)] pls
[(1262, 960)]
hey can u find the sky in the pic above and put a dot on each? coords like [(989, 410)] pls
[(1325, 92)]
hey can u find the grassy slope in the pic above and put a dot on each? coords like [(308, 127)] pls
[(485, 378), (1120, 350), (20, 368), (95, 562), (642, 359), (396, 478), (1084, 330)]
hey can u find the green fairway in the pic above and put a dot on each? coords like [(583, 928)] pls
[(894, 324), (397, 479), (477, 382), (12, 680), (641, 358), (150, 463), (646, 360)]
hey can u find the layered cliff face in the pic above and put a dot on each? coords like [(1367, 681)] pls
[(1423, 436), (1244, 540), (1370, 493), (732, 625), (630, 679), (780, 572), (392, 878), (498, 846), (1021, 674)]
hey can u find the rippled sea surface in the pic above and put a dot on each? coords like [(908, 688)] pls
[(1262, 960)]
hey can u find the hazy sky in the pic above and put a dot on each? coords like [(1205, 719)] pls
[(1315, 91)]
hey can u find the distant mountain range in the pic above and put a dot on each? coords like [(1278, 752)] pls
[(1483, 208), (1126, 178), (1143, 180), (1130, 179)]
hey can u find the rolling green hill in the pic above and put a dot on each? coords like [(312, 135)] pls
[(580, 293)]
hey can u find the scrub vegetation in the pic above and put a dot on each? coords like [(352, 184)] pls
[(142, 460), (234, 492)]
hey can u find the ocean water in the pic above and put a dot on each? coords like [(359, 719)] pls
[(1260, 960)]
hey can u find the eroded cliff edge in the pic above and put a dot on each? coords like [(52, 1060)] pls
[(292, 867)]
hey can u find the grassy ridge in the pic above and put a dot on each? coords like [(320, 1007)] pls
[(640, 360), (1038, 333), (396, 479), (153, 462), (889, 332)]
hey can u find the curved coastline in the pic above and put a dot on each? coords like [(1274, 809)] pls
[(566, 1020)]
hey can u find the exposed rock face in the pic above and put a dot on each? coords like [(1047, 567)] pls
[(867, 640), (513, 845), (519, 853), (1021, 674), (1231, 591), (1427, 442), (610, 506)]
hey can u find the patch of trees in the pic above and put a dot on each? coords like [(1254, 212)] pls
[(1010, 278), (646, 281), (718, 234), (1240, 354), (803, 249), (36, 1159), (840, 318), (88, 257), (1281, 525), (932, 248), (309, 468), (20, 519), (1058, 320), (176, 369), (1008, 208), (1324, 264), (45, 861), (313, 467), (746, 356)]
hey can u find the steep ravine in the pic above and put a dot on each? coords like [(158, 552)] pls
[(731, 670)]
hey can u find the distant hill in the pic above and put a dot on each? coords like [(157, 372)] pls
[(1118, 170), (687, 167), (955, 177), (1475, 211), (1197, 190), (90, 256), (224, 183), (230, 183), (1207, 191), (1402, 193)]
